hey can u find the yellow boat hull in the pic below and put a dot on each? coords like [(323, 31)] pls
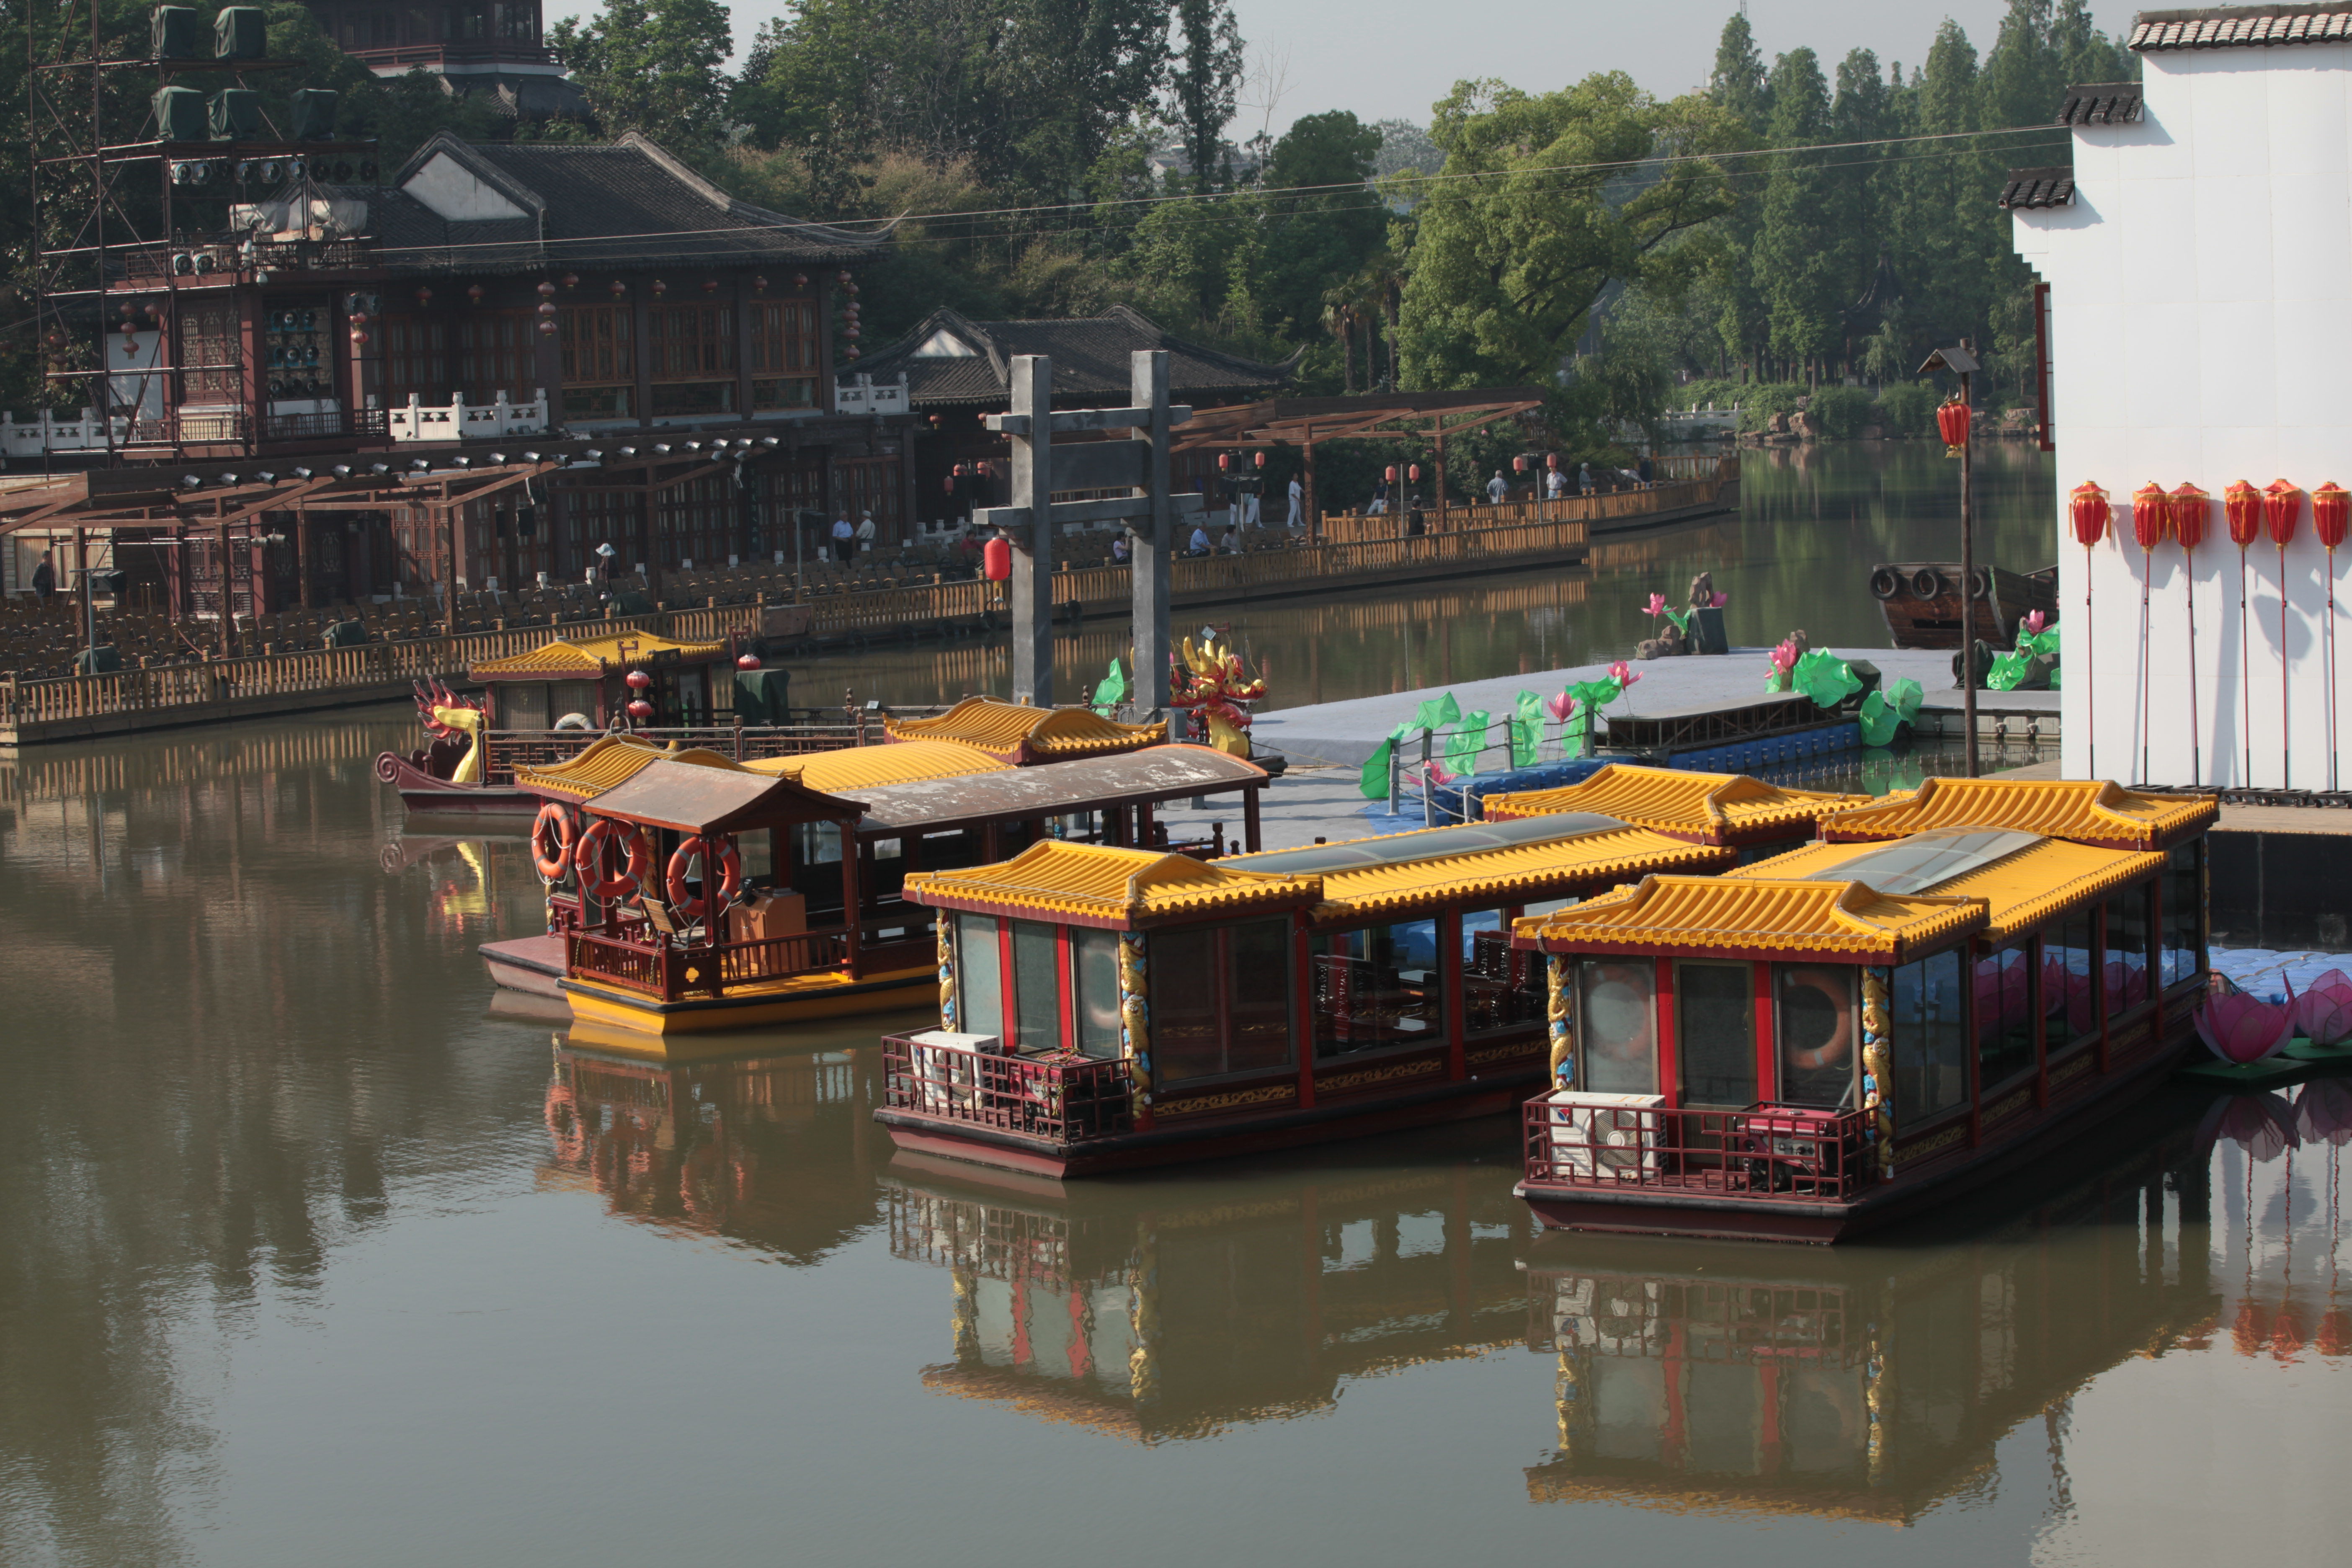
[(796, 1000)]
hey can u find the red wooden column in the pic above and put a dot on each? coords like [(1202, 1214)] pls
[(1250, 838), (1767, 1056), (1669, 1080)]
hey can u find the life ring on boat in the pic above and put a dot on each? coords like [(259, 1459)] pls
[(1838, 1049), (1926, 583), (730, 874), (590, 851), (550, 842), (1885, 582)]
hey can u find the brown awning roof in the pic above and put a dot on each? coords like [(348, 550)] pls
[(690, 798), (1053, 789)]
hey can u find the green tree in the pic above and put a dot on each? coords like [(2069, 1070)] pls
[(2085, 54), (1942, 221), (1323, 220), (1803, 268), (652, 66), (1201, 82), (1565, 199), (1739, 82)]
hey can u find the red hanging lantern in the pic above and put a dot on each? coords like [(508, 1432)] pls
[(710, 285), (2242, 510), (1551, 461), (800, 280), (1260, 459), (474, 292), (661, 288), (1225, 460), (1413, 473), (572, 281), (2087, 508), (2282, 510), (1519, 464), (1391, 475), (759, 285), (747, 661), (359, 336), (641, 710), (1952, 418), (947, 483), (424, 298), (546, 289), (996, 559), (619, 287), (2329, 504), (2191, 515), (639, 680), (2151, 511)]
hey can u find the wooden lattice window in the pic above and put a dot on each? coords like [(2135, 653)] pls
[(495, 354), (600, 362), (415, 359), (209, 353)]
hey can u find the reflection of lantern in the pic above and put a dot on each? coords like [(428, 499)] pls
[(641, 710), (639, 680), (1952, 424), (748, 661), (996, 559)]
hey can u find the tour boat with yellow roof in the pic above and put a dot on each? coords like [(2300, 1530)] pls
[(1104, 1008), (1953, 982), (1019, 734), (1740, 812)]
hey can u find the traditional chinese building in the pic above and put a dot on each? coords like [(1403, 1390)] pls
[(489, 47)]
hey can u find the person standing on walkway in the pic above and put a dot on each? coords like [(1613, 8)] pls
[(1499, 488), (45, 581), (1120, 552), (1555, 483), (1380, 499), (1413, 525), (1298, 504), (844, 538), (1584, 478), (865, 531)]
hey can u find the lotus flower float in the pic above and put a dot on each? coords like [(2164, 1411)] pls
[(2323, 1013), (2240, 1028)]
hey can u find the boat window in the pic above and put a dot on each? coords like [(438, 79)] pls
[(1714, 1033), (1426, 844), (2070, 1009), (951, 851), (2183, 936), (2004, 1014), (522, 705), (1036, 987), (1220, 1001), (1376, 987), (820, 842), (1617, 1020), (1094, 983), (1816, 1007), (1502, 989), (980, 989), (1931, 1064), (2125, 973)]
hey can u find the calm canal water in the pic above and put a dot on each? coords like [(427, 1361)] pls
[(305, 1258), (1812, 523)]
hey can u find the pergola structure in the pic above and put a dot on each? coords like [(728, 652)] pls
[(1306, 422), (236, 500)]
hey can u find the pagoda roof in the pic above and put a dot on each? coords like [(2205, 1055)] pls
[(1755, 917), (1712, 808), (1017, 732), (1121, 889), (868, 767), (2020, 889), (2087, 811), (592, 658)]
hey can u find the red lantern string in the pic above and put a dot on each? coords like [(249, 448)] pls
[(2151, 514), (2282, 510), (2087, 508), (2191, 513), (2330, 504)]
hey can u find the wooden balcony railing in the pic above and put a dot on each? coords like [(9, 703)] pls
[(1763, 1153), (652, 966), (1066, 1099)]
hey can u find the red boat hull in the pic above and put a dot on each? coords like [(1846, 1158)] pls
[(421, 792)]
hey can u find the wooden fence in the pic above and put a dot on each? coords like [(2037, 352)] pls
[(1476, 539)]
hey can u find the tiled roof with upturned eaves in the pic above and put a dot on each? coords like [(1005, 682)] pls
[(1516, 874), (1089, 355), (2021, 890), (2087, 811), (1096, 885), (1671, 800), (2239, 26), (1011, 731), (857, 768), (1748, 917), (592, 657), (607, 760)]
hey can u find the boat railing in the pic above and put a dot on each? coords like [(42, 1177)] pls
[(1766, 1153), (1065, 1099), (512, 749), (655, 966)]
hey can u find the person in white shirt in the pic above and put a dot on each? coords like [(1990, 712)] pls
[(866, 530), (1200, 544), (844, 538), (1556, 483), (1249, 509), (1499, 488), (1120, 550), (1297, 503)]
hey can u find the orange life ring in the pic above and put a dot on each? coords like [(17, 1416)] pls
[(590, 850), (550, 842), (730, 870), (1839, 1047)]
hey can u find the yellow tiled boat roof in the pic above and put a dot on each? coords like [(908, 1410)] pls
[(2088, 811), (2021, 890), (610, 760), (594, 656), (1752, 916), (1513, 874), (854, 768), (1008, 729), (1670, 800), (1096, 885)]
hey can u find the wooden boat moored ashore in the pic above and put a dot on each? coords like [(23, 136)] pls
[(1955, 981), (1105, 1008)]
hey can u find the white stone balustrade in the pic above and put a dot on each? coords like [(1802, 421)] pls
[(48, 432), (459, 420), (861, 395)]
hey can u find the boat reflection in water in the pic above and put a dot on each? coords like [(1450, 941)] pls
[(1874, 1383), (1179, 1310)]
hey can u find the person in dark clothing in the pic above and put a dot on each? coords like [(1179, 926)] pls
[(1413, 520), (45, 581)]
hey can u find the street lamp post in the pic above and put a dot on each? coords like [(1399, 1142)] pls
[(1962, 362)]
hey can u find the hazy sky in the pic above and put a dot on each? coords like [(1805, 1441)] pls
[(1386, 58)]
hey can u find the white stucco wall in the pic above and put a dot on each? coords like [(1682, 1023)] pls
[(2201, 312), (451, 190)]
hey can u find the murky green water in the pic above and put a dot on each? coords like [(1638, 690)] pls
[(305, 1258), (1813, 522)]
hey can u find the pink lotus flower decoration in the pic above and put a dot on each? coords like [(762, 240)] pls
[(1784, 657), (2323, 1013), (1624, 674), (2240, 1028), (2034, 622), (1436, 774), (1719, 601), (1559, 706), (1656, 607)]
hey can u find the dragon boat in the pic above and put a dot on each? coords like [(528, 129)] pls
[(1104, 1007), (1951, 984)]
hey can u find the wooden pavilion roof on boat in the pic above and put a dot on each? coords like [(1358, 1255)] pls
[(2026, 879), (1118, 889), (2086, 811), (592, 658), (604, 761), (1707, 809), (1479, 862), (715, 796), (1015, 733), (863, 768), (1055, 789), (1757, 917)]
